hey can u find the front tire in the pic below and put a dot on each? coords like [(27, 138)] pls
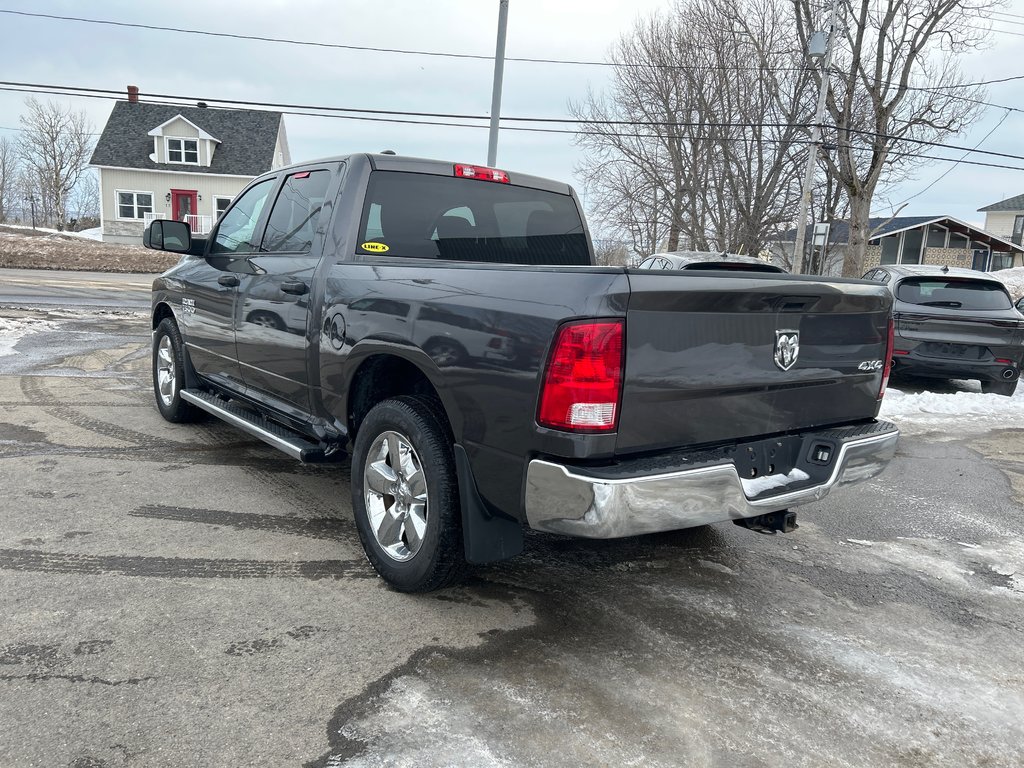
[(405, 495), (169, 374)]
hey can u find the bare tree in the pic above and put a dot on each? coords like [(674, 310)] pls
[(8, 177), (894, 83), (85, 198), (694, 146), (55, 147)]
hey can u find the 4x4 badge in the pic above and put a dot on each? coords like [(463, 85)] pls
[(787, 349)]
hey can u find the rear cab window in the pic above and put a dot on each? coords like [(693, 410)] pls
[(953, 293), (439, 217)]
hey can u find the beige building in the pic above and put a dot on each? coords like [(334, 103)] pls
[(936, 240), (1006, 218), (162, 161)]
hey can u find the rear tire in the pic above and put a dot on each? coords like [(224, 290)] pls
[(405, 495), (169, 374), (1006, 388)]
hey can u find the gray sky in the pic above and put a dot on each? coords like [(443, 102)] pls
[(71, 53)]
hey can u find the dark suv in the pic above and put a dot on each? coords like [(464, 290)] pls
[(954, 324)]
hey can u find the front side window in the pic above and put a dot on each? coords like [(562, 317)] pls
[(134, 205), (183, 151), (445, 217), (296, 212), (237, 229)]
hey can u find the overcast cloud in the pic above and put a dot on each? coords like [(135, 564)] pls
[(76, 54)]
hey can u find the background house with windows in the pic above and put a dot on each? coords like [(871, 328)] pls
[(937, 240), (163, 161), (1006, 218)]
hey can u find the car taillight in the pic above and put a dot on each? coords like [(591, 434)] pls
[(481, 172), (890, 337), (583, 379)]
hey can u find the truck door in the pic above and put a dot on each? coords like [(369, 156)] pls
[(209, 326), (272, 331)]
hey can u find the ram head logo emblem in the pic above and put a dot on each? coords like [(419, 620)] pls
[(787, 349)]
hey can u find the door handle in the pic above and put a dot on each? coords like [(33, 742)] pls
[(295, 287), (228, 281)]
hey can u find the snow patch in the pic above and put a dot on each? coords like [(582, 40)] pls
[(758, 485), (13, 330)]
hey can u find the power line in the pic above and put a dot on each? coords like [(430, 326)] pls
[(365, 48), (331, 112), (72, 90), (954, 165), (402, 51)]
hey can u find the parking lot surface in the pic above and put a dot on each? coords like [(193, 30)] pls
[(184, 595)]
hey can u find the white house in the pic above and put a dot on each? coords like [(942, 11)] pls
[(1006, 218), (160, 161)]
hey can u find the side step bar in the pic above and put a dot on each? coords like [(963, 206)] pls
[(273, 434)]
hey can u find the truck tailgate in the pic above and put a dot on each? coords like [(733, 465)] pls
[(701, 356)]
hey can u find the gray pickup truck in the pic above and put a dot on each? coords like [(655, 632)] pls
[(445, 324)]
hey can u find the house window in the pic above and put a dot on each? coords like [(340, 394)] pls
[(912, 242), (183, 151), (1018, 229), (220, 204), (890, 249), (134, 205), (958, 241), (936, 236), (1001, 261)]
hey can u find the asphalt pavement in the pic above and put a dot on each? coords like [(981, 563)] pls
[(179, 595), (62, 288)]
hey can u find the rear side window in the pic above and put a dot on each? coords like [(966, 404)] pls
[(953, 294), (295, 214), (439, 217)]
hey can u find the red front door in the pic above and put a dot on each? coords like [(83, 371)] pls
[(183, 203)]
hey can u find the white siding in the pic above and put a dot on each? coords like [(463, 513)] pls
[(282, 154), (1000, 223), (160, 184)]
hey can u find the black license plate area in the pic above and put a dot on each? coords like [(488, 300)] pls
[(951, 351)]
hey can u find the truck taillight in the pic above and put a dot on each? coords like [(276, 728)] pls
[(583, 380), (890, 339), (481, 172)]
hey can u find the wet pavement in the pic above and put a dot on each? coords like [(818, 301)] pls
[(185, 595)]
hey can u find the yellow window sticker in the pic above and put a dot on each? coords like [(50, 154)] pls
[(374, 247)]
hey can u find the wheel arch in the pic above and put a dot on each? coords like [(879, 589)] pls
[(162, 311), (376, 375)]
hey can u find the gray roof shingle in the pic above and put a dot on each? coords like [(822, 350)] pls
[(247, 137), (1009, 204)]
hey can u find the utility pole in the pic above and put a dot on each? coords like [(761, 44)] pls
[(812, 155), (499, 72), (32, 202)]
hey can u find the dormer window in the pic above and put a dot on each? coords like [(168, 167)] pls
[(184, 151)]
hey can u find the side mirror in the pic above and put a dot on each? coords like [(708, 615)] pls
[(1020, 305), (167, 235)]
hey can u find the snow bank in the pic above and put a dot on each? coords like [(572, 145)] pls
[(1013, 279), (96, 233), (955, 412)]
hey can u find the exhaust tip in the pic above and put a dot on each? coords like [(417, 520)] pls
[(1009, 373)]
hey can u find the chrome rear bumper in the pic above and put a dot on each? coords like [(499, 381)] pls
[(569, 500)]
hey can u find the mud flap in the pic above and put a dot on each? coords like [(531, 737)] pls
[(488, 536)]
